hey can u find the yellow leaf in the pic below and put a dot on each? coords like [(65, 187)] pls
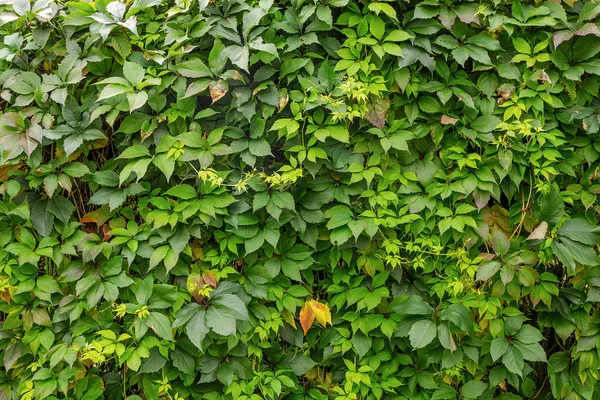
[(321, 312), (289, 318)]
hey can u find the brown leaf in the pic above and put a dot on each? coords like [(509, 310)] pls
[(237, 76), (467, 13), (446, 120), (209, 278), (65, 182), (6, 296), (197, 250), (283, 100), (544, 77), (539, 233), (588, 29), (378, 112), (4, 170), (218, 89), (560, 37), (504, 94), (447, 17)]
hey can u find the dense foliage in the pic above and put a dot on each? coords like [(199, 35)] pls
[(302, 199)]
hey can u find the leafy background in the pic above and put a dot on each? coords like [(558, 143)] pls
[(337, 199)]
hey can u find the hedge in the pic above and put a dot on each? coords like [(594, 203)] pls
[(301, 199)]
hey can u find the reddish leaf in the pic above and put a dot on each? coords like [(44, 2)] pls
[(209, 278), (446, 120), (105, 230), (99, 217)]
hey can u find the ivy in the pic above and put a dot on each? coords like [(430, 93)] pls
[(336, 199)]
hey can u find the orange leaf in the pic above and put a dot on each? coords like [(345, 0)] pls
[(307, 316), (322, 313)]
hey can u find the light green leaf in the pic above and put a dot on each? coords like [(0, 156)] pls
[(112, 90), (185, 192), (135, 151), (133, 72)]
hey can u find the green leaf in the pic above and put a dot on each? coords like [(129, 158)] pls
[(324, 14), (377, 27), (133, 123), (291, 66), (112, 90), (238, 55), (160, 324), (362, 344), (487, 270), (414, 305), (551, 206), (589, 11), (220, 320), (444, 392), (134, 152), (234, 304), (165, 164), (193, 68), (422, 333), (185, 192), (136, 100), (197, 328), (255, 242), (532, 352), (521, 45), (513, 360), (473, 389), (225, 373), (528, 334), (216, 61), (133, 72), (398, 36), (76, 169), (184, 362), (485, 123), (498, 347), (580, 230), (458, 315), (61, 208), (259, 148), (299, 363), (500, 242)]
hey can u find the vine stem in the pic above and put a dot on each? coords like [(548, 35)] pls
[(524, 209)]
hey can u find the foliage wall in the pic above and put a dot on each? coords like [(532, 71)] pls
[(302, 199)]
